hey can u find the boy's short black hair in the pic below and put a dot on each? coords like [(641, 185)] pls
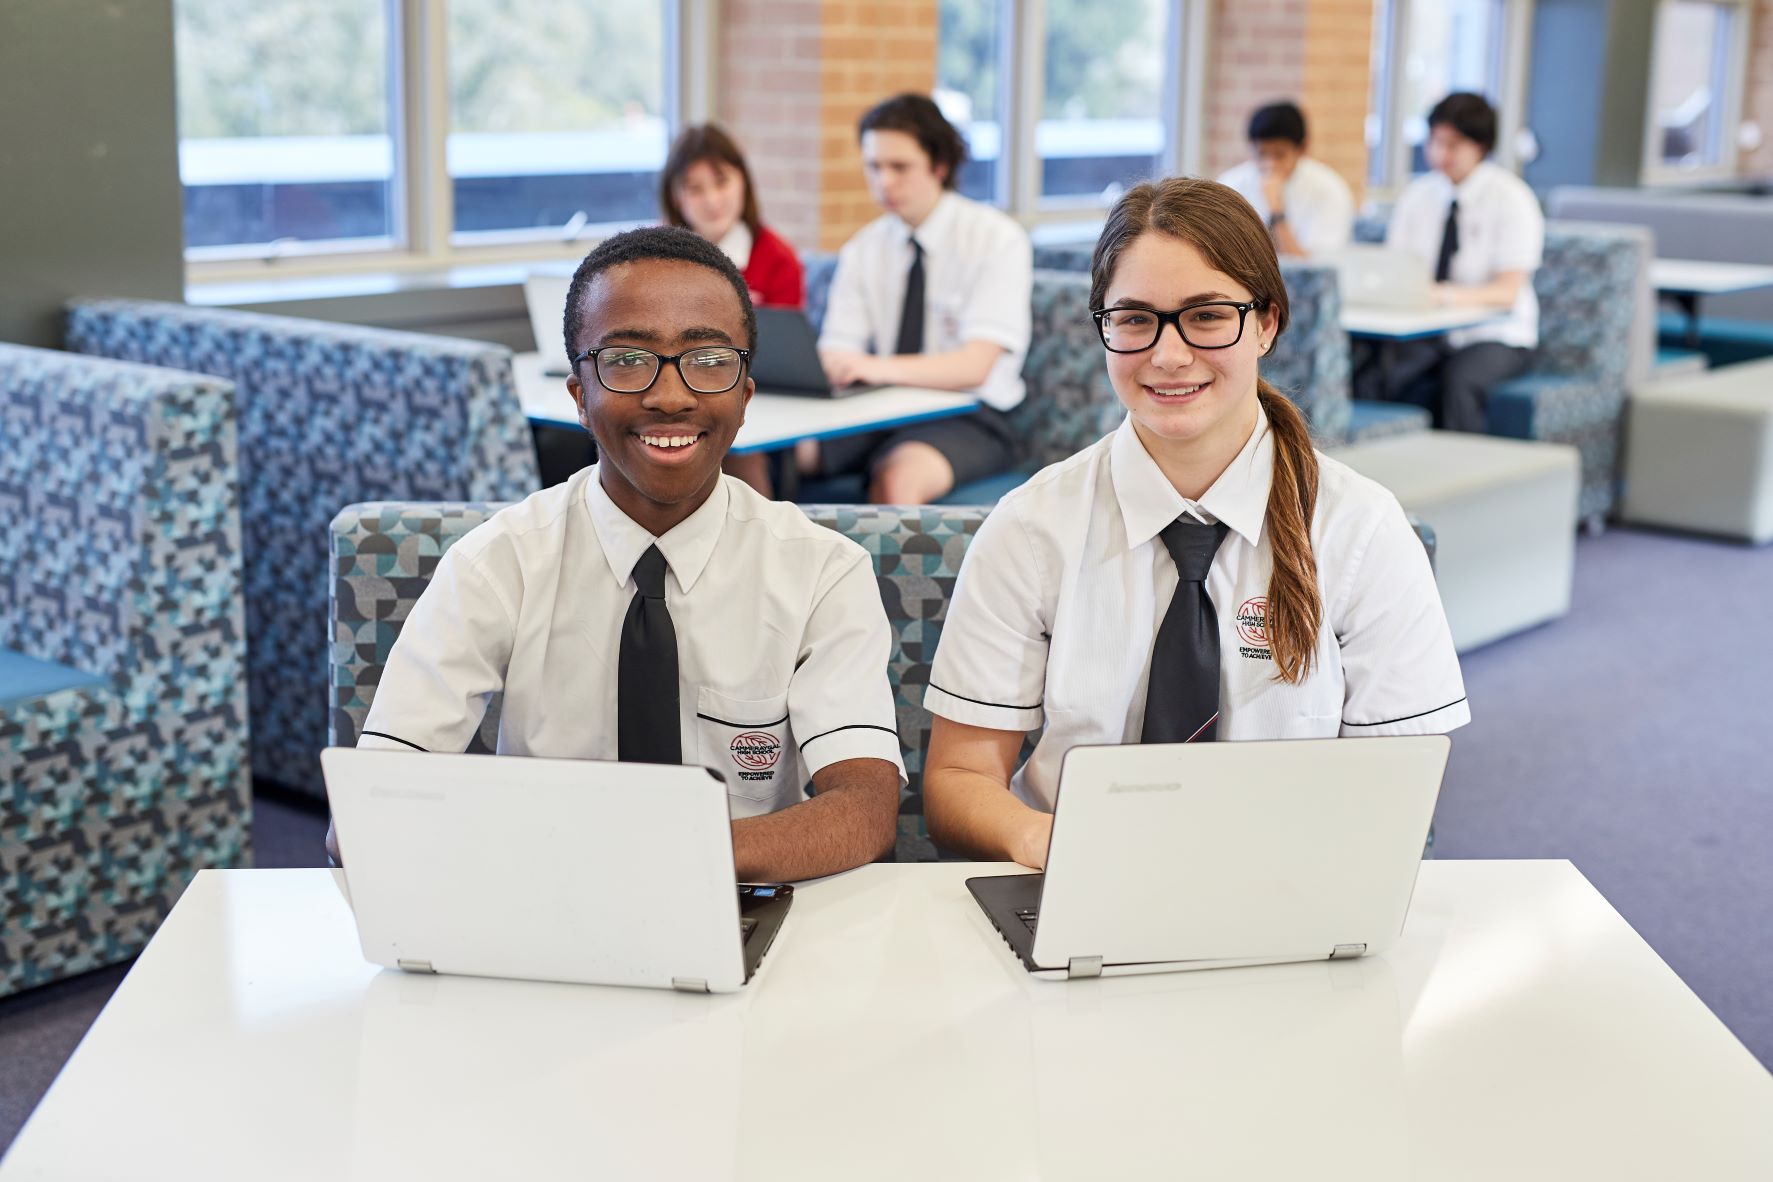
[(1279, 121), (654, 242), (918, 117), (1471, 115)]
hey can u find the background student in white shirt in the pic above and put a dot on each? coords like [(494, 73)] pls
[(650, 609), (1200, 574), (935, 292), (1307, 205), (1480, 227)]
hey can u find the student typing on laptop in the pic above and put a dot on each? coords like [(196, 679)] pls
[(935, 293), (652, 610), (1479, 226), (1200, 574)]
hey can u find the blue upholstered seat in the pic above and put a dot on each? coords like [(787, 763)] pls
[(329, 414), (23, 678), (122, 655), (383, 555)]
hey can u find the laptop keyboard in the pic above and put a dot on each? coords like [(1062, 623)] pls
[(1029, 916)]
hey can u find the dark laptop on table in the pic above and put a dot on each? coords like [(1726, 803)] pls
[(786, 360)]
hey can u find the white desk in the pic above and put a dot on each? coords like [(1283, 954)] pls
[(772, 421), (1408, 324), (1687, 281), (1519, 1030)]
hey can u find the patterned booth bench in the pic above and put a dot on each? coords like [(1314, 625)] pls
[(384, 554), (1574, 389), (329, 414), (123, 713)]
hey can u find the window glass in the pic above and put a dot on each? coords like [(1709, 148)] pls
[(556, 110), (969, 53), (284, 117), (1454, 45), (1102, 124), (1691, 78)]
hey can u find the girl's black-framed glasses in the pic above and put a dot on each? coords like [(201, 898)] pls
[(629, 369), (1214, 324)]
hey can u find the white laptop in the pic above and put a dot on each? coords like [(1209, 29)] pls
[(1168, 857), (1382, 277), (547, 869), (545, 294)]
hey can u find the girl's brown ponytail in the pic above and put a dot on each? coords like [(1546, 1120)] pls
[(1294, 604)]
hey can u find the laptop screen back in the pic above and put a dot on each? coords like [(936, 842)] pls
[(1227, 851)]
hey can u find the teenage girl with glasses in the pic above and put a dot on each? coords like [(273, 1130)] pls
[(1201, 573)]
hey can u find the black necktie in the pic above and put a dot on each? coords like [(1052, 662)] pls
[(646, 673), (1443, 267), (1182, 694), (911, 315)]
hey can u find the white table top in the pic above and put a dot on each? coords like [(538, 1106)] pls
[(1698, 277), (1403, 324), (1520, 1029), (772, 421)]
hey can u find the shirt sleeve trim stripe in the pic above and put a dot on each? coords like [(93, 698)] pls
[(396, 738), (1407, 717), (977, 702), (710, 718), (854, 726)]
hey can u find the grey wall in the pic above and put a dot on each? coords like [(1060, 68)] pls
[(1588, 94), (89, 182)]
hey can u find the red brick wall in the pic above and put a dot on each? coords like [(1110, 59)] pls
[(794, 76), (1314, 52), (1257, 56), (871, 49), (1338, 53), (769, 80), (1758, 102)]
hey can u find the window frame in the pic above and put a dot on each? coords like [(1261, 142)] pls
[(1733, 93), (1510, 64), (423, 208), (1021, 74)]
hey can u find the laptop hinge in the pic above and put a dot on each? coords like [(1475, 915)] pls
[(415, 966), (1347, 951), (700, 984), (1083, 966)]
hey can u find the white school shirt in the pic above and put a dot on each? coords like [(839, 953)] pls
[(737, 245), (1060, 596), (782, 642), (1319, 203), (1500, 229), (978, 283)]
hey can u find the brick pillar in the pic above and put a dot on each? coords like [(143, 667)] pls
[(1314, 52), (1758, 100), (1257, 57), (871, 51), (795, 75), (1337, 84), (769, 97)]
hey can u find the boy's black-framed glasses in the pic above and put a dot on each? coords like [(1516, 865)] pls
[(1213, 324), (629, 369)]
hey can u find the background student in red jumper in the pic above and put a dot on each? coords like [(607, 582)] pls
[(706, 187)]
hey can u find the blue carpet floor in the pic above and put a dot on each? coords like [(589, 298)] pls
[(1634, 737)]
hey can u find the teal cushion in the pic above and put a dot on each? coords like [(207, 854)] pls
[(23, 678), (988, 490)]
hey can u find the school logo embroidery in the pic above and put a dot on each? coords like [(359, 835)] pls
[(756, 752), (1252, 629)]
